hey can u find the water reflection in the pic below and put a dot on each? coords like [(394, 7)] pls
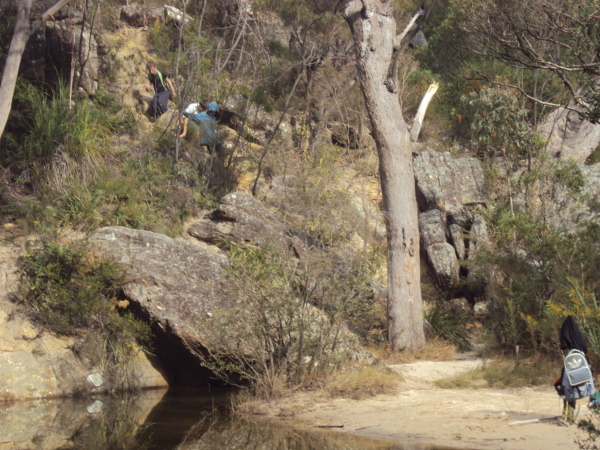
[(174, 419)]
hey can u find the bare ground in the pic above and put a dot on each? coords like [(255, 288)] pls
[(420, 414)]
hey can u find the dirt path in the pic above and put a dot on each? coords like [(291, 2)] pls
[(421, 414)]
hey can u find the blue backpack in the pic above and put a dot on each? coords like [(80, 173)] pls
[(577, 377)]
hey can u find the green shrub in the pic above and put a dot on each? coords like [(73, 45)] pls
[(447, 323), (43, 124), (70, 291), (498, 122), (533, 289), (294, 314)]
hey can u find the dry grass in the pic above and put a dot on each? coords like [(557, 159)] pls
[(434, 350), (503, 373), (364, 383)]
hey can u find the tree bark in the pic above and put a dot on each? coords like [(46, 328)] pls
[(13, 60), (373, 29), (23, 30)]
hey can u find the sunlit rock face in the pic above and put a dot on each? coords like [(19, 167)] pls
[(172, 285), (34, 363)]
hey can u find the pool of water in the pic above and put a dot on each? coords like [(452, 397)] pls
[(159, 419)]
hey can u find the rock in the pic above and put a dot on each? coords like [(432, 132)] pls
[(458, 240), (568, 135), (432, 228), (47, 367), (136, 15), (36, 364), (446, 183), (173, 283), (442, 259), (461, 216), (176, 16), (52, 50), (242, 218), (480, 308), (478, 236), (567, 211)]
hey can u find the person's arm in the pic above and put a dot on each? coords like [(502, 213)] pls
[(185, 124), (170, 85), (150, 84)]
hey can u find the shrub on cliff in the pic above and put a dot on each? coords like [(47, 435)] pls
[(71, 291)]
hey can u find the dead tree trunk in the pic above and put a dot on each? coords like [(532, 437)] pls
[(373, 28), (420, 116)]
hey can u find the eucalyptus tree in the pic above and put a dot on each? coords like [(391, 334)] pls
[(378, 48)]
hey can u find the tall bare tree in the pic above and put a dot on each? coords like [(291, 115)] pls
[(373, 28), (24, 28)]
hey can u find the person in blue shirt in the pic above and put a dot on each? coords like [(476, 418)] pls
[(205, 117)]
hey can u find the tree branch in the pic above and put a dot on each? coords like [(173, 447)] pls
[(401, 42)]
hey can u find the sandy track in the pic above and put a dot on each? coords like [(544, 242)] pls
[(421, 414)]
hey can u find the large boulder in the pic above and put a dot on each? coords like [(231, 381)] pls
[(173, 284), (241, 218), (446, 183), (177, 284), (567, 134), (448, 189)]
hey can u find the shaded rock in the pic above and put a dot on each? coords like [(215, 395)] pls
[(458, 240), (242, 218), (173, 284), (445, 183), (461, 216), (478, 236), (344, 135), (442, 259), (61, 43), (432, 227), (136, 15)]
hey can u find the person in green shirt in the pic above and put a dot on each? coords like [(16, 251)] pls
[(162, 85)]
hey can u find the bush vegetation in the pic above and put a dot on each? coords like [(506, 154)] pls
[(84, 163), (294, 331), (70, 291)]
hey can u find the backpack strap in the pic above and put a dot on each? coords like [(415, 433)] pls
[(162, 81)]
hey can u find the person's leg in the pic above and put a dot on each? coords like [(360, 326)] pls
[(154, 106), (163, 101), (570, 416)]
